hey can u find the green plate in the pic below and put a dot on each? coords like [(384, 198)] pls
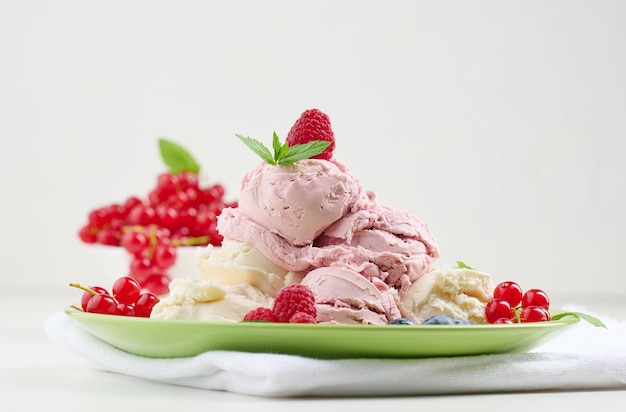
[(157, 338)]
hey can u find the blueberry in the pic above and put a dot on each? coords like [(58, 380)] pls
[(402, 321), (461, 322), (445, 320), (439, 320)]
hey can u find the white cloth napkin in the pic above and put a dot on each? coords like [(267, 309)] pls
[(582, 357)]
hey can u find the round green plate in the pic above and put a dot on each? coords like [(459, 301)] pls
[(183, 338)]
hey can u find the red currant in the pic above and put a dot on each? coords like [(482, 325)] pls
[(164, 256), (206, 196), (534, 314), (218, 191), (142, 215), (88, 294), (509, 291), (187, 217), (88, 234), (101, 303), (535, 297), (188, 180), (98, 218), (157, 283), (140, 267), (125, 310), (144, 304), (167, 216), (126, 290), (192, 195), (498, 309), (108, 236), (134, 241), (129, 204), (167, 185), (159, 235)]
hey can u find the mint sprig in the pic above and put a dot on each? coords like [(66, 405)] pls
[(177, 158), (462, 265), (578, 315), (283, 153)]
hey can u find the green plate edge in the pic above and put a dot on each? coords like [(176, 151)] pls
[(156, 338)]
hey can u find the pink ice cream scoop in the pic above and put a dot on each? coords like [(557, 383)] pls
[(381, 242), (345, 297), (299, 201)]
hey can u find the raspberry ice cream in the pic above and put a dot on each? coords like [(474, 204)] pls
[(299, 201), (343, 296), (381, 242)]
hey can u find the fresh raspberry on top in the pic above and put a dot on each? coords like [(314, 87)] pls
[(293, 299), (313, 125), (261, 313)]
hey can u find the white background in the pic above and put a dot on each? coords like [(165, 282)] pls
[(502, 124)]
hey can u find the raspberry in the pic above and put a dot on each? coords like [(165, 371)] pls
[(313, 125), (260, 314), (293, 299), (302, 317)]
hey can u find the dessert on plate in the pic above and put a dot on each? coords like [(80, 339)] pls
[(303, 219)]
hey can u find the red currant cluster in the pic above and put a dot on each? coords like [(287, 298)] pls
[(177, 212), (126, 299), (511, 305)]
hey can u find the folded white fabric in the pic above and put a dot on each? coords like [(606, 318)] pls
[(583, 357)]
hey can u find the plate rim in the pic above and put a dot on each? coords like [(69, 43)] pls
[(387, 341)]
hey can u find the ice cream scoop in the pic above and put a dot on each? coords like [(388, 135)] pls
[(239, 262), (345, 297), (202, 300), (459, 293), (299, 201), (381, 242)]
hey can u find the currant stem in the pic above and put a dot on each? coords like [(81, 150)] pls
[(85, 288), (190, 241), (152, 238)]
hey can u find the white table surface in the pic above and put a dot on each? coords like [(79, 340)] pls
[(36, 374)]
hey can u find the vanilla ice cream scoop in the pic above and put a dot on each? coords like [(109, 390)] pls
[(202, 300), (239, 262), (459, 293), (300, 200), (345, 297)]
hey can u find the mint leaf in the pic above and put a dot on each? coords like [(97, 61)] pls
[(283, 153), (462, 265), (578, 315), (280, 150), (177, 158), (303, 151), (258, 148)]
